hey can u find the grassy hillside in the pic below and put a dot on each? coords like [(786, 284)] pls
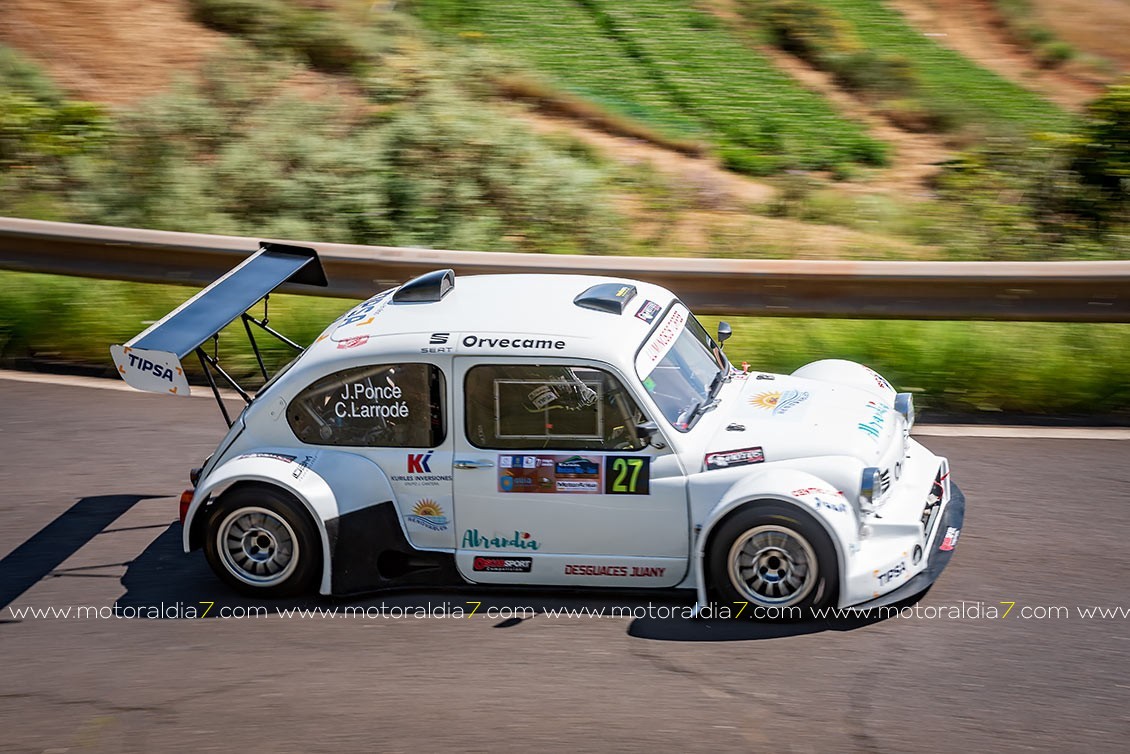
[(973, 94), (671, 64)]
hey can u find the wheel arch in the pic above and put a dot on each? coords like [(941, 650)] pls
[(779, 486), (327, 484)]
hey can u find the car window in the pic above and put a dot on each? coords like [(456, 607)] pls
[(678, 364), (384, 405), (525, 407)]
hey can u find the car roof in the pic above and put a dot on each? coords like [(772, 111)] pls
[(497, 310)]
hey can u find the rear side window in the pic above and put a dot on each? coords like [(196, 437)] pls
[(383, 406)]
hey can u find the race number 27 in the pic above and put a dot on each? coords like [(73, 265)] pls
[(627, 475)]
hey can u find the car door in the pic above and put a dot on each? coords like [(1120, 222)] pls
[(552, 485)]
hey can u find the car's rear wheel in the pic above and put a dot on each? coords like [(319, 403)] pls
[(261, 541), (776, 558)]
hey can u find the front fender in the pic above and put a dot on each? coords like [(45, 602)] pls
[(329, 483), (807, 492)]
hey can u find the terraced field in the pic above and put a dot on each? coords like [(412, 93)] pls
[(673, 66), (975, 94)]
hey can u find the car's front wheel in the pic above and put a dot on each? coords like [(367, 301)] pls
[(261, 541), (776, 558)]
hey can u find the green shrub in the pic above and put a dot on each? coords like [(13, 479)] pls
[(805, 28), (240, 153), (1017, 18), (1102, 156), (43, 138), (322, 38), (1054, 54)]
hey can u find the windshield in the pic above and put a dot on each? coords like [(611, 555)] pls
[(681, 367)]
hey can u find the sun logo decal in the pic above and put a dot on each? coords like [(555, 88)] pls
[(429, 514), (766, 400), (427, 508), (779, 402)]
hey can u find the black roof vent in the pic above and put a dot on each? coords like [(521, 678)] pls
[(607, 297), (428, 288)]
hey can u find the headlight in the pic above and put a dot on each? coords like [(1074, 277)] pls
[(904, 404), (871, 485)]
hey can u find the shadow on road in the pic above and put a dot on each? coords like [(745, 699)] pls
[(53, 544), (164, 582)]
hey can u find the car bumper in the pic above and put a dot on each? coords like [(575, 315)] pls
[(953, 517)]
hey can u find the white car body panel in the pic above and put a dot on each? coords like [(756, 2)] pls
[(804, 439)]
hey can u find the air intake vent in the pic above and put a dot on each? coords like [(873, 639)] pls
[(428, 288), (607, 297)]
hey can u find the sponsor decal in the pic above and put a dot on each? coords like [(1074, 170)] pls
[(876, 418), (437, 343), (155, 371), (645, 572), (894, 572), (779, 402), (740, 457), (950, 540), (420, 472), (418, 463), (577, 466), (366, 312), (513, 341), (813, 491), (578, 485), (563, 474), (648, 311), (273, 456), (522, 540), (360, 340), (879, 379), (661, 341), (145, 365), (503, 565), (820, 498), (836, 506), (304, 464), (627, 475), (364, 400), (429, 514)]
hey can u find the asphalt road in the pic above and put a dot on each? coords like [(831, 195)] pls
[(88, 518)]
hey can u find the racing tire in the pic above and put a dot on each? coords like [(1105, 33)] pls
[(776, 558), (261, 542)]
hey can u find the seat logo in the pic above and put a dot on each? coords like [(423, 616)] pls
[(439, 338)]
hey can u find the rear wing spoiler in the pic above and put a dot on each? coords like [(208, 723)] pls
[(152, 360)]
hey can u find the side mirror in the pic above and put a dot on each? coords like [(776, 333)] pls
[(647, 430), (724, 332)]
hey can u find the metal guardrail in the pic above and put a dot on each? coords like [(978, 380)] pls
[(1032, 291)]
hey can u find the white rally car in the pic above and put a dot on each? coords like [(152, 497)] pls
[(548, 430)]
